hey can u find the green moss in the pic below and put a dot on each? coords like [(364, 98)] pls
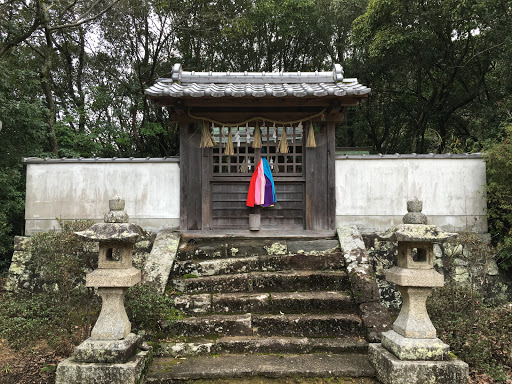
[(189, 276)]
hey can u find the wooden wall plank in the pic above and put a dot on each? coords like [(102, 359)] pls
[(317, 183)]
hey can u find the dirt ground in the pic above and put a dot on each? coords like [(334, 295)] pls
[(35, 366)]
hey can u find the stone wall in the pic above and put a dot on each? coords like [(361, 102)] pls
[(23, 276), (468, 260)]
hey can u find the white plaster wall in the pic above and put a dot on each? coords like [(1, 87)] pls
[(372, 193), (81, 190)]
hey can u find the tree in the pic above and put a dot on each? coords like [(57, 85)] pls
[(427, 63)]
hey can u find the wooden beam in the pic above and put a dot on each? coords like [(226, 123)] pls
[(331, 175)]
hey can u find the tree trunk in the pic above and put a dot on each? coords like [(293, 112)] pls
[(50, 103)]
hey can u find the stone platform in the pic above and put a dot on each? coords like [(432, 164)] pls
[(131, 372), (391, 370)]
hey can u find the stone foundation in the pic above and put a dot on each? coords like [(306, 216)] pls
[(133, 371), (391, 370)]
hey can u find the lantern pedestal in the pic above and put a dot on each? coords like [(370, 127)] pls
[(411, 353), (110, 355)]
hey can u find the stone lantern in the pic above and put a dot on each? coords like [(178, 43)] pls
[(411, 352), (110, 353)]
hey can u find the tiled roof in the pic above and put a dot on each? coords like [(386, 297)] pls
[(256, 84)]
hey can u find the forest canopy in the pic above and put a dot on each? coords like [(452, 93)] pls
[(73, 72)]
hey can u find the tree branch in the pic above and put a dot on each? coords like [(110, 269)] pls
[(81, 19)]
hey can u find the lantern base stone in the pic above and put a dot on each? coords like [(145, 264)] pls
[(391, 370), (107, 351), (113, 278), (415, 349), (133, 371)]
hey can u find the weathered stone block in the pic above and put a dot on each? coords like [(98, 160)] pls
[(391, 370), (414, 277), (107, 351), (159, 262), (21, 243), (364, 285), (115, 278), (313, 246), (19, 272), (376, 319), (194, 304), (415, 349), (116, 204), (309, 325), (234, 303), (112, 323), (239, 325), (133, 371), (116, 217)]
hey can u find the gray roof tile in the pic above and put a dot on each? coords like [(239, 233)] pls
[(256, 84)]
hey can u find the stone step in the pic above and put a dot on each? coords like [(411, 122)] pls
[(304, 261), (265, 282), (308, 325), (251, 344), (170, 370), (207, 248), (214, 325), (285, 302)]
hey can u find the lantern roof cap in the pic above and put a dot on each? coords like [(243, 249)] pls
[(416, 233), (118, 232)]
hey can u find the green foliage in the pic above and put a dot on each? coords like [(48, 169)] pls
[(60, 259), (498, 158), (479, 335), (21, 135), (60, 309), (148, 310)]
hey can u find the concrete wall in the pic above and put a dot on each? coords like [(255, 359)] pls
[(371, 191), (81, 189)]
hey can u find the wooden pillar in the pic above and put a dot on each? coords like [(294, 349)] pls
[(191, 212), (320, 180)]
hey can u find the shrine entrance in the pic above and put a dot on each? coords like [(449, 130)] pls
[(231, 175), (229, 121)]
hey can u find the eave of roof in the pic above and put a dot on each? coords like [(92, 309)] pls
[(256, 84)]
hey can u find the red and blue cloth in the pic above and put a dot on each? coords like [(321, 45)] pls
[(262, 190)]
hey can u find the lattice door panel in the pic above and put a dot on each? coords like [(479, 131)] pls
[(244, 158)]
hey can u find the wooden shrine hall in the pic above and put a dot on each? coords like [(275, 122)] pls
[(230, 120)]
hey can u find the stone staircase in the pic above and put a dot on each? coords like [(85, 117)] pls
[(262, 307)]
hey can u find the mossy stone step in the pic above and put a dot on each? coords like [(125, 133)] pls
[(266, 282), (207, 248), (295, 325), (285, 302), (308, 325), (170, 370), (251, 345), (263, 263)]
